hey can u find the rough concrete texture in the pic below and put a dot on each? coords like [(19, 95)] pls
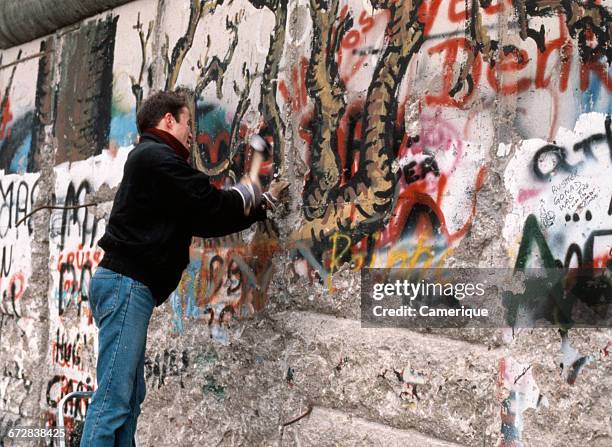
[(25, 20), (414, 134)]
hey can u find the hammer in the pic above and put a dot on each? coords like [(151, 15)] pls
[(260, 149)]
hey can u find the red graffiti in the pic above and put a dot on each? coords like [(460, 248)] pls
[(237, 275), (17, 284), (457, 12), (599, 69), (428, 11), (510, 60), (564, 46), (298, 96), (16, 287), (353, 52), (5, 117), (213, 148), (79, 258), (427, 14), (451, 48)]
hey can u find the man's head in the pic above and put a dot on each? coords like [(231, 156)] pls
[(168, 111)]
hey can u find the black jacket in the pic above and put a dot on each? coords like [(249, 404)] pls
[(161, 203)]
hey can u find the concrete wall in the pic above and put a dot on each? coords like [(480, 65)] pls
[(413, 133)]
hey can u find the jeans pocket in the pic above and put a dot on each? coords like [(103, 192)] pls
[(104, 294)]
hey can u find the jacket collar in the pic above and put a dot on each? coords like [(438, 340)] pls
[(164, 137)]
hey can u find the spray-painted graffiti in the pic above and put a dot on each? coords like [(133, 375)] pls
[(221, 282), (74, 257), (562, 197), (61, 385), (17, 195), (83, 109), (170, 363), (517, 392), (24, 106), (68, 353)]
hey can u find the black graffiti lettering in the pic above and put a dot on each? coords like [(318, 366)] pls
[(558, 153), (22, 202), (86, 275), (68, 353), (215, 273), (59, 386), (87, 223), (234, 276), (64, 296), (165, 365), (7, 200), (409, 171), (586, 145), (5, 269), (414, 171), (9, 297), (18, 199), (608, 126)]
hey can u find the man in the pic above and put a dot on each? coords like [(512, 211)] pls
[(162, 202)]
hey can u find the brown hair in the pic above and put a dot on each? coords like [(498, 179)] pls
[(153, 109)]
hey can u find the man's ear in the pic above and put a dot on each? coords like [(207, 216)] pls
[(168, 118)]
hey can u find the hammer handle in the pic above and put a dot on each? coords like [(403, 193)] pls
[(256, 160)]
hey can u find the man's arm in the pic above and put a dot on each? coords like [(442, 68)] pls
[(221, 227), (213, 212)]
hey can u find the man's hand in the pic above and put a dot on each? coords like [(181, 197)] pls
[(276, 187), (272, 195)]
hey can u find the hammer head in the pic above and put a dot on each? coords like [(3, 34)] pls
[(261, 149), (259, 144)]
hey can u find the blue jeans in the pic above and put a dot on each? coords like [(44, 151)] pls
[(121, 308)]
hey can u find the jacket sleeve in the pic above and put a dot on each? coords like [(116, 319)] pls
[(211, 212)]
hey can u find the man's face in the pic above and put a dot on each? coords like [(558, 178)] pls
[(181, 129)]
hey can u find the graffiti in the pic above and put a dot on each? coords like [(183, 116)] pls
[(586, 24), (298, 96), (223, 281), (75, 271), (59, 386), (354, 204), (144, 41), (392, 109), (5, 104), (273, 126), (6, 115), (78, 220), (352, 54), (197, 9), (12, 291), (6, 263), (517, 391), (559, 155), (66, 353), (170, 363), (214, 70), (17, 201), (586, 257), (572, 203), (572, 362), (21, 119), (84, 97)]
